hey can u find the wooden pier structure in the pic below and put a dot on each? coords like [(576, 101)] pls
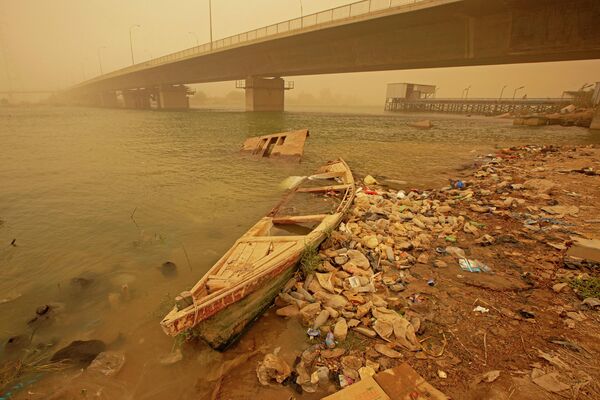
[(477, 106)]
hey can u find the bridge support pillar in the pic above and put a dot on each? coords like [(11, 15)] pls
[(108, 99), (264, 94), (596, 119), (173, 97), (136, 98)]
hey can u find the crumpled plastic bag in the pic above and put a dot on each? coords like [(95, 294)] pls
[(272, 368)]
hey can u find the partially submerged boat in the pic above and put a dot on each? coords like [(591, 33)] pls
[(285, 145), (244, 282), (423, 124)]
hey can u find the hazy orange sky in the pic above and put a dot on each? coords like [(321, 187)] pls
[(53, 44)]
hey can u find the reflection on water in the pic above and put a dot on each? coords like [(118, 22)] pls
[(98, 200)]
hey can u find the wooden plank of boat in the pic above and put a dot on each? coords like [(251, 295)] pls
[(331, 188), (238, 288), (287, 145)]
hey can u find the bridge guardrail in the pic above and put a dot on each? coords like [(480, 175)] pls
[(348, 11)]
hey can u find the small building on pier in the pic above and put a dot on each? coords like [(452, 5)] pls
[(398, 92)]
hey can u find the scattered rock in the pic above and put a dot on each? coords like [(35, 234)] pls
[(80, 352), (168, 269), (591, 302), (539, 185), (108, 363), (365, 331), (369, 180), (288, 311), (559, 287), (551, 383), (387, 351), (490, 376), (370, 241), (359, 259), (340, 330), (273, 368)]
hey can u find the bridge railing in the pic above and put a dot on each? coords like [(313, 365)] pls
[(349, 11)]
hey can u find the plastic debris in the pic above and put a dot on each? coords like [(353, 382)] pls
[(108, 363), (330, 340), (272, 368), (473, 265), (458, 184), (481, 309), (490, 376), (354, 282), (313, 333)]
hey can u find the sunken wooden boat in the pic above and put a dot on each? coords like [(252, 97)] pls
[(286, 145), (245, 281)]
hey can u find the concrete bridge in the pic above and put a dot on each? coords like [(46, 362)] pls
[(370, 35)]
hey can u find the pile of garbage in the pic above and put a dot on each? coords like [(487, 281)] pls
[(359, 315)]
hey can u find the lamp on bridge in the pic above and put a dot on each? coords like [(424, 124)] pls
[(131, 41), (465, 92), (502, 92), (517, 89), (210, 22), (100, 58), (193, 34)]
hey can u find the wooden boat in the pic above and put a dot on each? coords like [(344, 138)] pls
[(244, 282), (285, 145), (424, 124)]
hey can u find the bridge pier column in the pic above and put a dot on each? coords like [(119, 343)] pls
[(172, 97), (136, 98), (264, 94), (108, 99)]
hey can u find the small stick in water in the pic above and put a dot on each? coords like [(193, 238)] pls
[(14, 243), (186, 256), (133, 219)]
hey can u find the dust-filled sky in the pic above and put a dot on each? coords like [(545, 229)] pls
[(50, 44)]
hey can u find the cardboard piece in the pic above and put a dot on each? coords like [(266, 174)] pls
[(404, 383), (399, 383), (365, 389), (586, 249)]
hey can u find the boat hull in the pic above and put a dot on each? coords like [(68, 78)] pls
[(244, 282), (224, 328)]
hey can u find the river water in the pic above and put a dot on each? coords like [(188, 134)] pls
[(96, 199)]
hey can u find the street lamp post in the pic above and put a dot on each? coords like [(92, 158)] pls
[(131, 42), (301, 15), (517, 89), (465, 92), (100, 58), (210, 22), (502, 92), (195, 37)]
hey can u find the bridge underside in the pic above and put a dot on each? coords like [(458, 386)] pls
[(442, 33)]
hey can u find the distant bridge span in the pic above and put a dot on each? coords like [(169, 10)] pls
[(371, 35)]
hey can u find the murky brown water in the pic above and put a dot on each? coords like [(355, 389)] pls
[(70, 180)]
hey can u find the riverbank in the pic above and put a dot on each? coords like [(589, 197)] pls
[(472, 285)]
